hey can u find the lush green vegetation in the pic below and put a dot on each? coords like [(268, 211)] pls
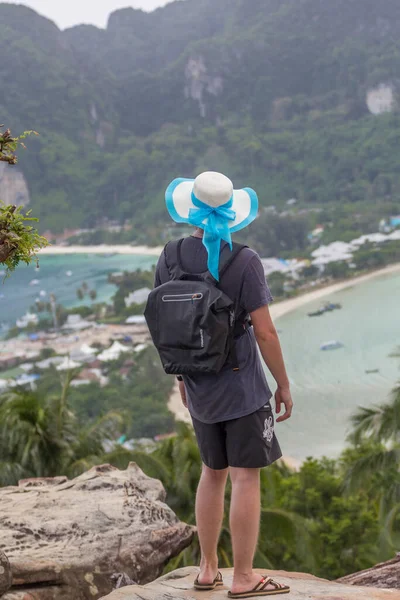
[(330, 518), (272, 93), (19, 241), (62, 429), (138, 392), (369, 256)]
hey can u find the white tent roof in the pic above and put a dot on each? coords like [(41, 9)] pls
[(76, 323), (117, 347), (54, 360), (86, 349), (136, 320), (140, 347), (114, 352), (319, 251), (334, 249), (274, 265), (325, 260), (106, 355), (80, 357), (376, 238), (395, 235), (332, 253), (68, 364)]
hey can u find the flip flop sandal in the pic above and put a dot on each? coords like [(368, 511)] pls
[(205, 587), (261, 589)]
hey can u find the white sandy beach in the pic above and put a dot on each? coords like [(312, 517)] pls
[(286, 306), (102, 249)]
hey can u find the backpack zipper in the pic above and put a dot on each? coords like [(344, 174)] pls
[(182, 297), (201, 338)]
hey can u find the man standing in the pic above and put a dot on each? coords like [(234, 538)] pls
[(231, 411)]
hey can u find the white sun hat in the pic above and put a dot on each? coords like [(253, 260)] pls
[(211, 203), (214, 190)]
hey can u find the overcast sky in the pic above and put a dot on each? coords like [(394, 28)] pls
[(66, 13)]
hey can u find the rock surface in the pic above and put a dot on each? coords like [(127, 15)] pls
[(13, 186), (5, 574), (179, 586), (384, 575), (65, 539)]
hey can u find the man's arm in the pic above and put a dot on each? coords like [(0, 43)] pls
[(268, 341)]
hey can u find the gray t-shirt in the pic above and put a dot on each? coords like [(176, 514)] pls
[(229, 394)]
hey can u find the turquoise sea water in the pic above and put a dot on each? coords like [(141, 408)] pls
[(16, 295), (328, 386)]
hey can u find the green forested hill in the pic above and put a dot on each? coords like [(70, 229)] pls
[(272, 92)]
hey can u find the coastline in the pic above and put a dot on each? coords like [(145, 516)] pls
[(101, 249), (279, 310), (286, 306)]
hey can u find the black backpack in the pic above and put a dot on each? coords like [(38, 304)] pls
[(191, 321)]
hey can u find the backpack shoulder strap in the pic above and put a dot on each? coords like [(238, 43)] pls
[(172, 255), (227, 257)]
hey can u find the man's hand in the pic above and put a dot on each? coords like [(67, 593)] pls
[(283, 396), (182, 391)]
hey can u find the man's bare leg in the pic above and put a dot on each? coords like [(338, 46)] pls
[(209, 516), (245, 526)]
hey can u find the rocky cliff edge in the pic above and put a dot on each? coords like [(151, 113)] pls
[(178, 585), (66, 538)]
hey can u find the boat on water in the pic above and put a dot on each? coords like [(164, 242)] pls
[(332, 345), (327, 307), (69, 273), (34, 282), (371, 371), (317, 313)]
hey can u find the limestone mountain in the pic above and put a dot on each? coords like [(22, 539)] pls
[(296, 97)]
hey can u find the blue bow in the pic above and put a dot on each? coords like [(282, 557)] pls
[(215, 222)]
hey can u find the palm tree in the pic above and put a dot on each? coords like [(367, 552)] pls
[(374, 462), (376, 431), (40, 436), (28, 431), (382, 423)]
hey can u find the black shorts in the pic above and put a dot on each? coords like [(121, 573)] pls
[(248, 442)]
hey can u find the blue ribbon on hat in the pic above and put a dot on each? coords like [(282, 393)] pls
[(215, 222)]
